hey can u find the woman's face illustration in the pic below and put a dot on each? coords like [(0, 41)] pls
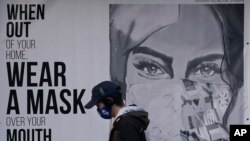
[(190, 49)]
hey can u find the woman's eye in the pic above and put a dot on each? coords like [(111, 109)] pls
[(150, 69), (207, 70)]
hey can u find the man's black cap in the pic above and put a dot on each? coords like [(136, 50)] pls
[(105, 88)]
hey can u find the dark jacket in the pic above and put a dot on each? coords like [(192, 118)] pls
[(130, 127)]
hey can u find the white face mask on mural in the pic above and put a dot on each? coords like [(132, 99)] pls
[(163, 106), (183, 109)]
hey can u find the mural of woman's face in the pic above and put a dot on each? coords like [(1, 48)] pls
[(159, 70)]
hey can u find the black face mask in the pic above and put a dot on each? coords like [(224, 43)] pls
[(105, 112)]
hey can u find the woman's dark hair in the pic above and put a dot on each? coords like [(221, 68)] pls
[(231, 20)]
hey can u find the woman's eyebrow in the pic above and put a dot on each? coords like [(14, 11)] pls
[(148, 51), (196, 61)]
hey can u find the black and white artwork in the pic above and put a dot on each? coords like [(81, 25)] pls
[(181, 63)]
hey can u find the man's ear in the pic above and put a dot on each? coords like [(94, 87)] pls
[(109, 101)]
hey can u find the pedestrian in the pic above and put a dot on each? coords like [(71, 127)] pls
[(130, 122)]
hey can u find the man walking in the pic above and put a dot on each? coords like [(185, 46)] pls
[(130, 122)]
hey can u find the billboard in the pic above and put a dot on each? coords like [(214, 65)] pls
[(184, 62)]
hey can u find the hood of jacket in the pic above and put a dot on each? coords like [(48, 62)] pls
[(135, 112)]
